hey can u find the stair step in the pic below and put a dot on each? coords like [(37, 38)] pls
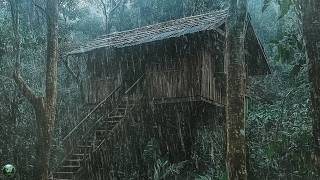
[(117, 114), (100, 133), (100, 136), (76, 160), (78, 156), (112, 122), (106, 130), (69, 168), (83, 149), (125, 105), (115, 117), (72, 162), (63, 175), (95, 142)]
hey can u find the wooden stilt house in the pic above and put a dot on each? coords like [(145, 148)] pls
[(164, 81)]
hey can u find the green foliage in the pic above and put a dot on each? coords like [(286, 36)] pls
[(205, 177), (288, 46), (266, 4), (284, 7), (224, 176), (163, 169), (151, 152), (280, 134), (207, 161)]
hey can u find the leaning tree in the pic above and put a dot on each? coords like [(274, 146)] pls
[(45, 106)]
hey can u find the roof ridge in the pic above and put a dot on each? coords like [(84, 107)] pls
[(153, 32), (172, 20)]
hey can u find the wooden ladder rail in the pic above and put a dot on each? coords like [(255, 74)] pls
[(103, 143), (126, 113), (70, 141)]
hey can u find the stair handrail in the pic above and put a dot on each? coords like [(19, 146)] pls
[(71, 139), (74, 136), (123, 94), (91, 112), (97, 107), (103, 143), (126, 92), (137, 82), (134, 84)]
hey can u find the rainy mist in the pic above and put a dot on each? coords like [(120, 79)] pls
[(159, 89)]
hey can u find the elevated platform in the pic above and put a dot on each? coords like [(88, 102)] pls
[(185, 100)]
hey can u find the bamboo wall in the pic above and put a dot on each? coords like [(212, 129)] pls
[(195, 73), (213, 78), (183, 81)]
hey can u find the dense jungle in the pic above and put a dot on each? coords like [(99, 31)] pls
[(72, 72)]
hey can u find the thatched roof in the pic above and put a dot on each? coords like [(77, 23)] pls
[(160, 31)]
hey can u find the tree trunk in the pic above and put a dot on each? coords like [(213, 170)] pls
[(14, 7), (44, 141), (109, 7), (45, 107), (236, 87), (106, 17), (52, 61), (311, 29)]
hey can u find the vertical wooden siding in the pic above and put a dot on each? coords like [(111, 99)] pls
[(181, 82), (212, 80), (97, 89)]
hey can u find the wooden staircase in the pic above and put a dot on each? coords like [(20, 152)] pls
[(93, 130)]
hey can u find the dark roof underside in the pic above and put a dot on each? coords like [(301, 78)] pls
[(160, 31)]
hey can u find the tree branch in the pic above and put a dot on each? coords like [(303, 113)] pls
[(5, 77), (24, 88), (104, 7), (39, 7), (116, 6), (66, 62)]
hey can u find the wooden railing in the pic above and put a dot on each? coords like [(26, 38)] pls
[(136, 96), (79, 132), (92, 120), (131, 92)]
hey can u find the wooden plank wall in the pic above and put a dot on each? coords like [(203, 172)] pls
[(97, 89), (208, 85), (103, 75), (199, 72), (181, 82), (175, 72), (213, 82)]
